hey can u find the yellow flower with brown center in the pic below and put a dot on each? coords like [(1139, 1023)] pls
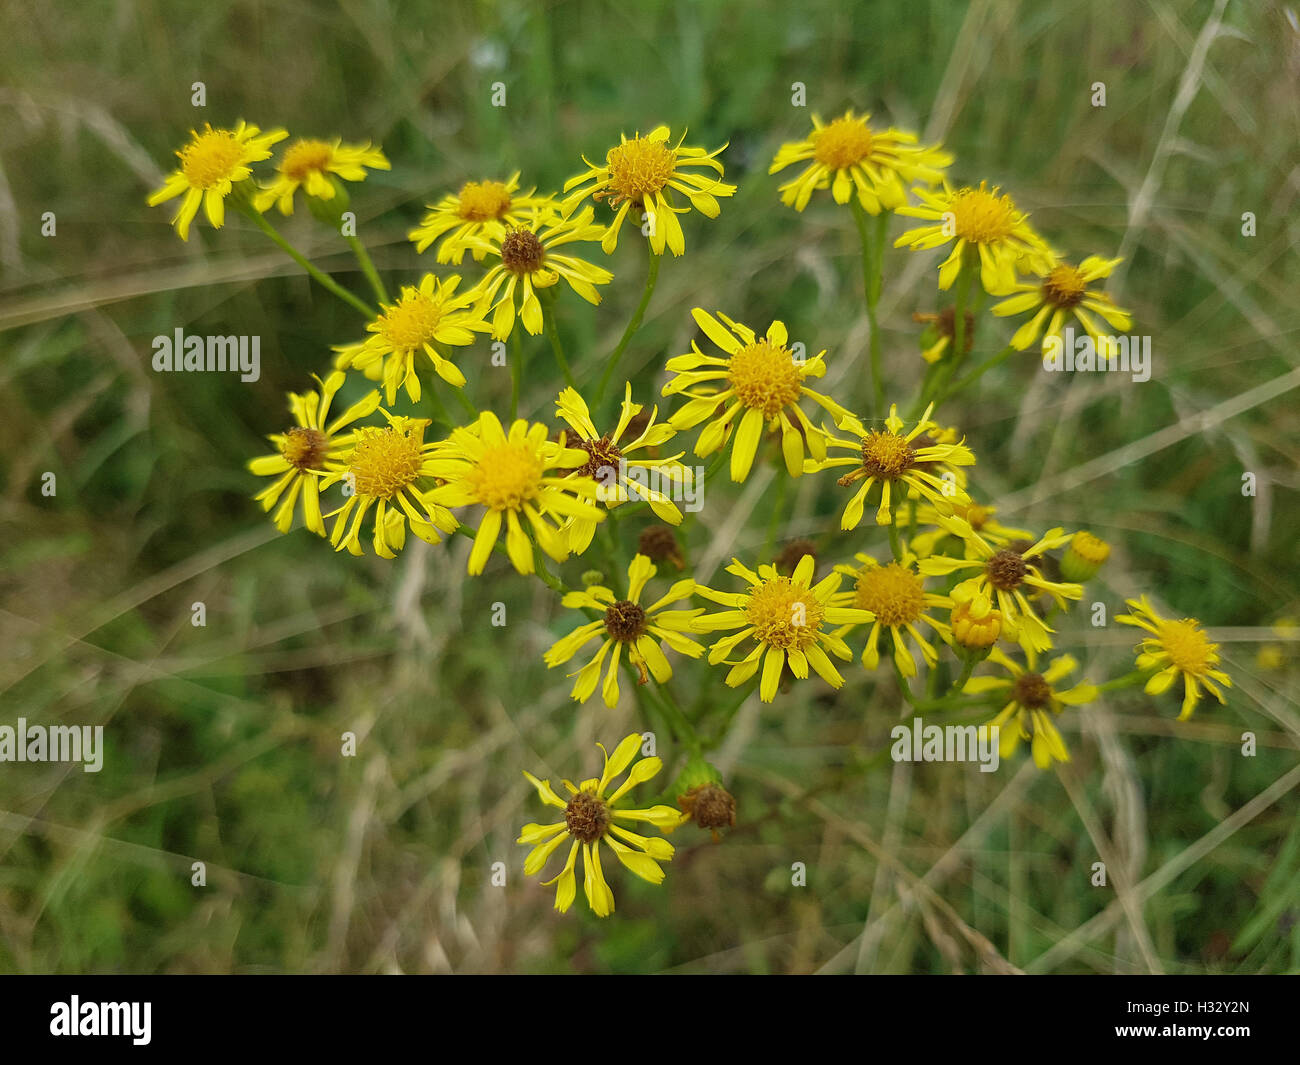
[(388, 469), (212, 163), (481, 209), (426, 319), (624, 463), (306, 450), (896, 461), (593, 814), (1061, 292), (1033, 700), (528, 262), (853, 159), (513, 475), (985, 228), (895, 594), (1007, 576), (1176, 649), (627, 624), (312, 165), (786, 618), (760, 376), (645, 173)]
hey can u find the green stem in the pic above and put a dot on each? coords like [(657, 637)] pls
[(895, 543), (872, 258), (1128, 680), (516, 371), (612, 363), (979, 371), (553, 334), (939, 384), (322, 279), (368, 268)]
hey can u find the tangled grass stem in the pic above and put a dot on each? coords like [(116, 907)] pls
[(872, 261), (652, 276)]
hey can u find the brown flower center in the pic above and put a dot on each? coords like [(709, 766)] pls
[(304, 449), (1006, 570), (603, 464), (522, 252), (586, 817), (625, 621), (1032, 692)]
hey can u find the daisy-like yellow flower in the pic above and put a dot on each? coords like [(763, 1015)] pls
[(1033, 700), (895, 461), (997, 234), (529, 261), (592, 817), (1176, 649), (624, 469), (895, 594), (481, 209), (786, 618), (212, 163), (1006, 577), (759, 375), (425, 319), (643, 173), (980, 518), (305, 449), (513, 474), (627, 624), (308, 165), (1061, 291), (386, 468), (851, 158)]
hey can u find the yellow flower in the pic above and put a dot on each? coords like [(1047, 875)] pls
[(850, 157), (975, 624), (1005, 576), (762, 376), (385, 468), (512, 475), (1034, 699), (623, 469), (979, 517), (643, 173), (786, 619), (1084, 557), (626, 623), (529, 262), (591, 817), (481, 209), (989, 225), (895, 594), (1275, 655), (1063, 291), (211, 164), (423, 320), (309, 164), (305, 449), (1174, 649), (895, 461)]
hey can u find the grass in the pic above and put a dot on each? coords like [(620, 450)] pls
[(223, 742)]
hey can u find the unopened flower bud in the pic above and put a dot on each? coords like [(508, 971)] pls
[(1084, 557)]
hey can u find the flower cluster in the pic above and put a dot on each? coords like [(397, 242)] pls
[(946, 588)]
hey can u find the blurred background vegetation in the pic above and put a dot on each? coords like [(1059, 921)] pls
[(223, 742)]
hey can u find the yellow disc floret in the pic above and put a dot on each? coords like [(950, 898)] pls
[(765, 377), (1187, 646), (211, 158), (981, 216), (639, 168), (387, 460), (784, 615), (886, 456), (411, 322), (507, 476), (482, 201), (304, 158), (893, 593), (843, 143)]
